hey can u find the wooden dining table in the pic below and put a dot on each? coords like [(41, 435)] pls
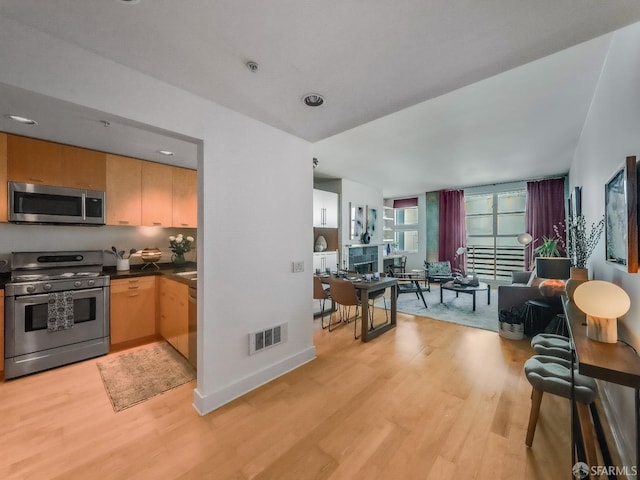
[(366, 288)]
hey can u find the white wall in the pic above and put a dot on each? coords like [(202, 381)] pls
[(250, 230), (611, 133)]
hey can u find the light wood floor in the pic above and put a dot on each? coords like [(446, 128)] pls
[(428, 400)]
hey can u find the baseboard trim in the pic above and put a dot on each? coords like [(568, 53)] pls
[(204, 404)]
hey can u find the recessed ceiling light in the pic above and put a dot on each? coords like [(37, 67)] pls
[(313, 99), (130, 2), (252, 66), (166, 153), (21, 119)]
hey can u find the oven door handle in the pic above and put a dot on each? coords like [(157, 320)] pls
[(29, 300), (84, 206), (39, 298)]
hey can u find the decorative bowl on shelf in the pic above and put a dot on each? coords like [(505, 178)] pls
[(151, 255)]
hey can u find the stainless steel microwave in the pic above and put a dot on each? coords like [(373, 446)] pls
[(33, 203)]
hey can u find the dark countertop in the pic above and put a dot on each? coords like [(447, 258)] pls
[(168, 269)]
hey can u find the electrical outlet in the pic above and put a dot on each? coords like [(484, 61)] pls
[(298, 266)]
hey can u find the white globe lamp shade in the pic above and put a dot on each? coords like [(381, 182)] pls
[(602, 302), (525, 239)]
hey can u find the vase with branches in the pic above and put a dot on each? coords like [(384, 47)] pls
[(580, 240)]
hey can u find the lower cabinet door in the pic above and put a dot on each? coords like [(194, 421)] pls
[(133, 309), (174, 314)]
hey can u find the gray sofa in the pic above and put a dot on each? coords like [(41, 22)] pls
[(518, 292)]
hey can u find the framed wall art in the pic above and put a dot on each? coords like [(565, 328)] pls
[(621, 217), (372, 225), (358, 219), (577, 201)]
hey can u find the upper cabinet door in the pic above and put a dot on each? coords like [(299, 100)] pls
[(157, 194), (34, 161), (124, 190), (3, 177), (37, 161), (325, 209), (185, 197), (82, 168)]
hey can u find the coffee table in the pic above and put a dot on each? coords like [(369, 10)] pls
[(459, 288)]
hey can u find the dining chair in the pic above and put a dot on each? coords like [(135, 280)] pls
[(344, 295), (322, 294), (400, 267)]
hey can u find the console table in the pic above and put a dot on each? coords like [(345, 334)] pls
[(612, 362)]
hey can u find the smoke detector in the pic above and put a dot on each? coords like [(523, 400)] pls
[(252, 66)]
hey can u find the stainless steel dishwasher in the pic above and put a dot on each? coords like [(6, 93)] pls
[(193, 323)]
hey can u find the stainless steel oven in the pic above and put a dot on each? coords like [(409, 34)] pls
[(56, 310)]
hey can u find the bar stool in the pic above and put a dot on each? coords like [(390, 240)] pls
[(553, 375), (552, 345), (533, 314)]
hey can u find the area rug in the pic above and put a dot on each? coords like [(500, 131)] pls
[(133, 377), (455, 310)]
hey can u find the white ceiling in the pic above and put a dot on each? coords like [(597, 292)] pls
[(371, 59)]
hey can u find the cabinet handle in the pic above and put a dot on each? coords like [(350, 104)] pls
[(157, 224), (39, 180), (123, 222), (134, 294)]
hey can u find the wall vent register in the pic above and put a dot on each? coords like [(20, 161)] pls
[(270, 337)]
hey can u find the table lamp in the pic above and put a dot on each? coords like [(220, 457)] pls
[(524, 239), (602, 302), (555, 271)]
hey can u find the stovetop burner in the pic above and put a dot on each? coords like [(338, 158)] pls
[(38, 272)]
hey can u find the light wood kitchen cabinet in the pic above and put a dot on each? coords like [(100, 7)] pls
[(82, 168), (133, 309), (124, 190), (185, 197), (157, 196), (1, 330), (48, 163), (174, 313), (3, 177), (33, 161)]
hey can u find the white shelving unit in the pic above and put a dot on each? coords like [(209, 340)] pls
[(388, 224)]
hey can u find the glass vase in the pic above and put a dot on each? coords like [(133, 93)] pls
[(178, 259)]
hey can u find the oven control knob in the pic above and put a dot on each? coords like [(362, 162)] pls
[(31, 288), (77, 283), (91, 283), (47, 286)]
